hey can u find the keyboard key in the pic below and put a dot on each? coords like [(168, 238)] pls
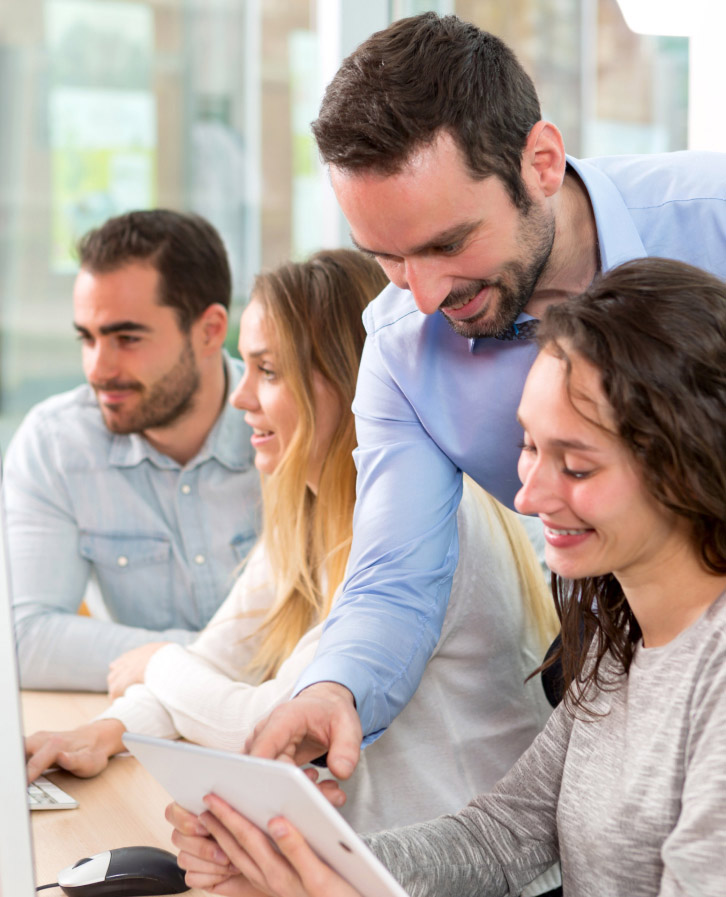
[(44, 795)]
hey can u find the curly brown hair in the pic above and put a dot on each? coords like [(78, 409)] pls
[(656, 331)]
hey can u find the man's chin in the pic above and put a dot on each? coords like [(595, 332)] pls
[(117, 423), (475, 328)]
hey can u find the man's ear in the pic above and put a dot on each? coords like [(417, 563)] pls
[(543, 159), (210, 328)]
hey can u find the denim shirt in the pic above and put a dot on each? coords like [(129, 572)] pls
[(430, 404), (162, 540)]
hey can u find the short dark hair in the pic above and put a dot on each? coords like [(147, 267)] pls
[(423, 75), (655, 329), (185, 249)]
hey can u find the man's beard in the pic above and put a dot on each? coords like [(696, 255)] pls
[(514, 288), (162, 403)]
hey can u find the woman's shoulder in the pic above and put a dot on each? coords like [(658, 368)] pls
[(708, 647)]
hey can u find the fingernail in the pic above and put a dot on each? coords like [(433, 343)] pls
[(345, 768), (278, 828)]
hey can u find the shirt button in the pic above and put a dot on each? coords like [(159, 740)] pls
[(199, 559), (186, 489), (122, 560)]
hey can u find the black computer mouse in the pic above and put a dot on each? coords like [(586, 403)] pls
[(124, 872)]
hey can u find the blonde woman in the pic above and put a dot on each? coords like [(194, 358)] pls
[(301, 338)]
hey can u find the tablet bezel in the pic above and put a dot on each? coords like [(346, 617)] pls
[(260, 790)]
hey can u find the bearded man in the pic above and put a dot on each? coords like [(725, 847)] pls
[(449, 176), (142, 479)]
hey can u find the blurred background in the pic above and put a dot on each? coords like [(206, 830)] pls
[(205, 105)]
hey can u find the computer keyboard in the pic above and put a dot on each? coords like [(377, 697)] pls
[(44, 795)]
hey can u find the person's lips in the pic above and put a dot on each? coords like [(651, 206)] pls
[(566, 537), (260, 435), (114, 393), (467, 307)]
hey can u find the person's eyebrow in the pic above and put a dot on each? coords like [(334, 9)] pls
[(453, 235), (116, 327), (573, 444), (576, 445), (258, 353)]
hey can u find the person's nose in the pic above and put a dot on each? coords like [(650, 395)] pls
[(100, 362), (538, 493), (244, 396), (427, 283)]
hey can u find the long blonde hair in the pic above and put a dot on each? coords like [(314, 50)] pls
[(315, 308)]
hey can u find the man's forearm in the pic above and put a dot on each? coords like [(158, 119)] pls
[(61, 651), (379, 655)]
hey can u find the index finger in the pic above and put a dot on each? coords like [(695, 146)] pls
[(278, 736), (42, 758)]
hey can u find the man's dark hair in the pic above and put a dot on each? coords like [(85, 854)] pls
[(185, 249), (423, 75)]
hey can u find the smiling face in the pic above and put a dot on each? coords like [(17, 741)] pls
[(138, 361), (265, 394), (459, 245), (583, 481)]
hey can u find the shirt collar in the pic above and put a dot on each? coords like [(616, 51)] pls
[(228, 441), (477, 340), (618, 239)]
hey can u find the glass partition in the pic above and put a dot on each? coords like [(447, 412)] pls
[(107, 105)]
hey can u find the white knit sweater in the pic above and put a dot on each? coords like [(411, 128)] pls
[(470, 719)]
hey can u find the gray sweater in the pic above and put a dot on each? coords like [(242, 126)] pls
[(632, 802)]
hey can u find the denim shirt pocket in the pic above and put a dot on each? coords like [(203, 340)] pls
[(242, 544), (135, 576)]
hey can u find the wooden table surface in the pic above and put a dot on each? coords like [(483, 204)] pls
[(122, 807)]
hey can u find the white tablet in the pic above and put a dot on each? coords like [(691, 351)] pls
[(260, 790)]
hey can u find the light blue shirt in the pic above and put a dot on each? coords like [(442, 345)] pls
[(162, 540), (431, 404)]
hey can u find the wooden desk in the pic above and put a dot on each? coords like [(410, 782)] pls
[(122, 807)]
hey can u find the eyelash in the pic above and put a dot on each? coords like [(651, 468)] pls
[(447, 249), (267, 373), (123, 338), (576, 474), (568, 471), (384, 259)]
